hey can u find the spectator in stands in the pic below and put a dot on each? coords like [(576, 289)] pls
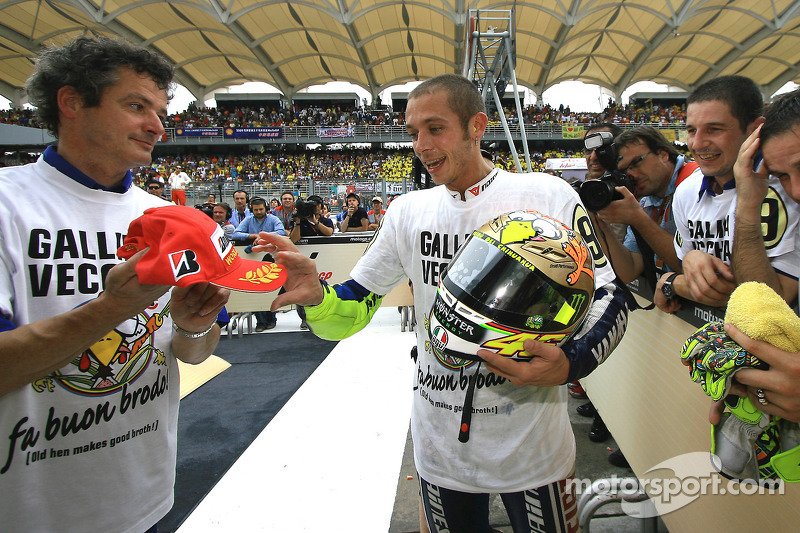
[(241, 208), (375, 215), (721, 114), (354, 218), (257, 222), (285, 211), (178, 181), (156, 188), (155, 175), (102, 338)]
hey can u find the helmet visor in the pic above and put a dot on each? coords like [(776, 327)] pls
[(499, 283)]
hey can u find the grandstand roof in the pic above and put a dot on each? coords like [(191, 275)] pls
[(380, 43)]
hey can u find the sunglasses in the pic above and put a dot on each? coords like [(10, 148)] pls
[(153, 188)]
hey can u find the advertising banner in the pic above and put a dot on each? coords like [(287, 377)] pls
[(253, 133), (197, 132)]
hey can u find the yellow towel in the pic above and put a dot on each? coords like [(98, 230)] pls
[(762, 314)]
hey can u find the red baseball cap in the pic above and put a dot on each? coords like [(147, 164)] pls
[(187, 246)]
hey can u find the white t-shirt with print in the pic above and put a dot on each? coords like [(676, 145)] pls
[(520, 437), (90, 447), (707, 223)]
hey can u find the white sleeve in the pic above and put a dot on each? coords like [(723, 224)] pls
[(681, 238)]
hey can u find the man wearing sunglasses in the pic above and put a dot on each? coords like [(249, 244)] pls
[(656, 168), (155, 187)]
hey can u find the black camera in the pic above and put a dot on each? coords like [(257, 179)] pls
[(205, 209), (305, 208), (597, 194)]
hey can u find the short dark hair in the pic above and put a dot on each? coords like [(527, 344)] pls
[(650, 136), (89, 65), (226, 207), (740, 93), (613, 128), (463, 97), (258, 200), (246, 194), (354, 195), (284, 193), (151, 181), (781, 115)]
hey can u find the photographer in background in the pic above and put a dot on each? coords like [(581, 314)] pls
[(595, 193), (594, 166), (655, 169), (597, 165), (308, 219)]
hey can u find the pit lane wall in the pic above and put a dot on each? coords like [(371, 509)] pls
[(659, 418)]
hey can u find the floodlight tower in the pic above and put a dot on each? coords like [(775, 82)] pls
[(489, 63)]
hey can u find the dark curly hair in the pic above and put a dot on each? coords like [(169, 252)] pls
[(89, 64)]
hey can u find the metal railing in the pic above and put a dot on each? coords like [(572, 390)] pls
[(384, 134)]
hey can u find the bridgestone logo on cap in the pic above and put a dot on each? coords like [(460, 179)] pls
[(184, 263)]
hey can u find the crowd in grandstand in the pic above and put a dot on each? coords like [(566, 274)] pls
[(266, 116), (348, 165), (340, 115), (319, 165)]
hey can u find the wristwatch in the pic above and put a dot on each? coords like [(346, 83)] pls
[(667, 288)]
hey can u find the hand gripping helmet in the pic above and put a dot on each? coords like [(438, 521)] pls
[(523, 275)]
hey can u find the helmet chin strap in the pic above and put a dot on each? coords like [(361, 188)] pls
[(466, 412)]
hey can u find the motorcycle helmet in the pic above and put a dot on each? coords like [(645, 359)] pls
[(521, 275)]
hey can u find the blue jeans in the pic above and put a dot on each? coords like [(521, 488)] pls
[(265, 317)]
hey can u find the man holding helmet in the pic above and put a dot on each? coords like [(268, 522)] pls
[(521, 443)]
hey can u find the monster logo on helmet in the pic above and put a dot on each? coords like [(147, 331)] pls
[(522, 275)]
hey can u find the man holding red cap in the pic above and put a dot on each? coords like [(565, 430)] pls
[(89, 387)]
